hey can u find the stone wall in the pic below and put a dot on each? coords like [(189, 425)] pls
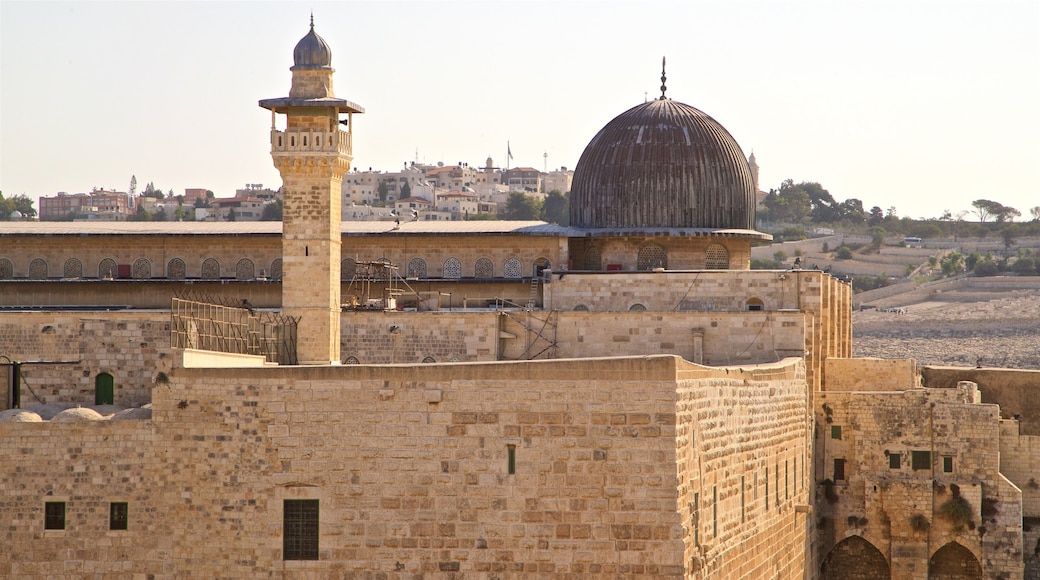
[(909, 510), (869, 374), (67, 351), (1016, 391), (1020, 463), (411, 468)]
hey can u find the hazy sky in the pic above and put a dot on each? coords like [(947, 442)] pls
[(924, 106)]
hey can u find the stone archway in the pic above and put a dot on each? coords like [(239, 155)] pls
[(855, 559), (954, 562)]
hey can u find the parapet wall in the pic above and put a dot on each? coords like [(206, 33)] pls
[(1016, 391), (869, 374)]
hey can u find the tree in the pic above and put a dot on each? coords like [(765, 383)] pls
[(133, 185), (1035, 212), (1008, 236), (852, 210), (985, 209), (272, 212), (877, 216), (406, 191), (183, 214), (556, 208), (952, 263), (19, 203), (522, 207), (384, 192), (789, 204)]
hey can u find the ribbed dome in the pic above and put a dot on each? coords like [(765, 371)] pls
[(312, 52), (663, 164)]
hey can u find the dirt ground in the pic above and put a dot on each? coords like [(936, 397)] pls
[(1000, 332)]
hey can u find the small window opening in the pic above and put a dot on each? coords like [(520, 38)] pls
[(787, 475), (894, 461), (54, 515), (714, 511), (696, 519), (835, 431), (921, 459), (947, 464), (839, 470), (512, 459), (767, 487), (743, 515), (300, 529), (117, 514), (755, 304)]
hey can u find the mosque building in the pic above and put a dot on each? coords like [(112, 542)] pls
[(620, 397)]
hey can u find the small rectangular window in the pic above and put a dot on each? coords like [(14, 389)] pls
[(894, 460), (300, 529), (921, 459), (839, 470), (54, 515), (714, 511), (947, 463), (117, 513), (835, 431), (511, 466)]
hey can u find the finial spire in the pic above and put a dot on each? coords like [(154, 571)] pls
[(312, 20), (663, 79)]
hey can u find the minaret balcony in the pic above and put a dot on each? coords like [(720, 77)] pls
[(307, 141)]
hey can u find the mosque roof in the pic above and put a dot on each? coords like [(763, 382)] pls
[(663, 164)]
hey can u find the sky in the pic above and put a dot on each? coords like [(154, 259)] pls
[(923, 106)]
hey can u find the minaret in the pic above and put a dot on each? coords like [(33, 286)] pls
[(312, 153), (754, 170)]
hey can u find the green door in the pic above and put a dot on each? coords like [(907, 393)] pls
[(104, 389)]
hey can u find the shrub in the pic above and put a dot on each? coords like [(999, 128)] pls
[(1024, 266), (986, 268), (919, 523), (843, 253)]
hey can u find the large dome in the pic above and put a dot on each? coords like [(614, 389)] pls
[(312, 52), (663, 164)]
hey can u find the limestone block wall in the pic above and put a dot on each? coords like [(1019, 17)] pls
[(901, 503), (434, 251), (681, 253), (158, 250), (133, 347), (411, 468), (155, 294), (709, 338), (1016, 391), (743, 450), (1020, 463), (869, 374)]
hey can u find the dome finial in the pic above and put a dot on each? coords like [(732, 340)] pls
[(663, 79), (312, 20)]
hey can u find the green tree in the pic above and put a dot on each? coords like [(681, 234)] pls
[(151, 191), (877, 236), (19, 203), (877, 216), (952, 263), (851, 210), (1008, 236), (406, 191), (556, 208), (133, 186), (183, 214), (272, 212), (384, 192), (985, 209), (522, 207), (789, 204)]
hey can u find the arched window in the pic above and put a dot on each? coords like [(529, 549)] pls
[(651, 256), (6, 269), (104, 389), (954, 561), (429, 359), (417, 268), (107, 268), (513, 268), (73, 268), (276, 269), (347, 269), (716, 257), (244, 269), (142, 269), (637, 307), (210, 269), (581, 308), (452, 268), (38, 269), (855, 559), (351, 360), (175, 269), (754, 304), (484, 268), (593, 261)]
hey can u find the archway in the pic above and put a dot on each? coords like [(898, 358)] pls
[(104, 389), (954, 562), (855, 559)]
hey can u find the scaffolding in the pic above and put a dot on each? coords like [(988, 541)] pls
[(221, 324), (376, 286)]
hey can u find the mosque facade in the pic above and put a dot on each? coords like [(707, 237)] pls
[(621, 397)]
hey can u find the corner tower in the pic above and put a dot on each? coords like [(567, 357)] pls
[(312, 154)]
